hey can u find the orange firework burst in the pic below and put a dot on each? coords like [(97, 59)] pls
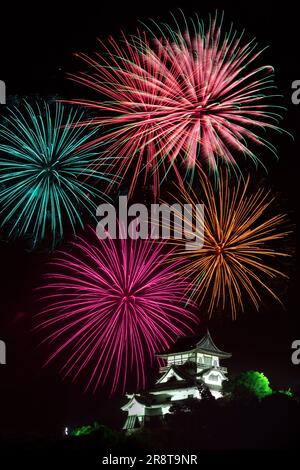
[(234, 261)]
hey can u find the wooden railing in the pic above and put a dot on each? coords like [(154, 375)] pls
[(199, 365)]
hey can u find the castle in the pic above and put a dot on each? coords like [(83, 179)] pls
[(189, 365)]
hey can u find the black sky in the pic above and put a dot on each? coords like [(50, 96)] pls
[(36, 53)]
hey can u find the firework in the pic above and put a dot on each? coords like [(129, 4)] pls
[(238, 248), (189, 98), (111, 305), (43, 165)]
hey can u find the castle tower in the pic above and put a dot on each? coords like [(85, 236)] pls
[(189, 365)]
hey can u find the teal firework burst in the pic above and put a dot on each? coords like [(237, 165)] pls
[(45, 160)]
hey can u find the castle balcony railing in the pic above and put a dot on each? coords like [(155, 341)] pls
[(199, 364)]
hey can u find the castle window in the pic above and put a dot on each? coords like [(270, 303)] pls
[(214, 377), (207, 360), (185, 358), (171, 360)]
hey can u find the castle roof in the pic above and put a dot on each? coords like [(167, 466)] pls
[(147, 400), (179, 370), (207, 345), (203, 345)]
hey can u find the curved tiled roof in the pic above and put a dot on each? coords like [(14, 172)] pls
[(192, 343)]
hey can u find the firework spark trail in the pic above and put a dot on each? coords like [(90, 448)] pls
[(234, 261), (111, 305), (43, 165), (185, 99)]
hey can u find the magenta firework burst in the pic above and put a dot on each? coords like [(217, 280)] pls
[(181, 99), (110, 306)]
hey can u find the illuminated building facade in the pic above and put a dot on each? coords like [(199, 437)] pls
[(189, 367)]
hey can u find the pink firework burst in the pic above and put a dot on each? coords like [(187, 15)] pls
[(110, 306), (182, 100)]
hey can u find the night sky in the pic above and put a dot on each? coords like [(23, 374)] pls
[(36, 53)]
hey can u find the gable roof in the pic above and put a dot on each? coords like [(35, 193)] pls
[(207, 371), (135, 399), (180, 372), (148, 400), (176, 374)]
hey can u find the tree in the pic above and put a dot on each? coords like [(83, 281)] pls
[(286, 392), (247, 384), (205, 393)]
